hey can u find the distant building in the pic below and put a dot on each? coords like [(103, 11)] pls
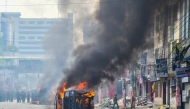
[(27, 34), (30, 32)]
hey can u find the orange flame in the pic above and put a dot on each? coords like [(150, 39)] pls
[(62, 90), (90, 94), (81, 86)]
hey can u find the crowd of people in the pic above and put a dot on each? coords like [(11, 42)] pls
[(6, 96), (20, 96)]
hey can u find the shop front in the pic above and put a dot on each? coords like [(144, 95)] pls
[(183, 75)]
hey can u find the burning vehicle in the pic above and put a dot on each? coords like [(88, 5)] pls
[(74, 98)]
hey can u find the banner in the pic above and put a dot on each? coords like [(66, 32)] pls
[(162, 68)]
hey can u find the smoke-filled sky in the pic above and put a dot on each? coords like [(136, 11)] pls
[(125, 24)]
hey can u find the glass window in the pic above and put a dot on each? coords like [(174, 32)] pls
[(37, 53), (31, 22), (22, 37), (22, 22), (25, 47), (29, 42), (40, 37), (31, 37), (32, 32), (49, 22), (34, 27), (40, 22)]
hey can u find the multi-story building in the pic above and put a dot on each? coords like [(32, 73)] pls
[(30, 32), (22, 41), (171, 28)]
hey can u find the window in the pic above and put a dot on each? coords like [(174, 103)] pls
[(22, 22), (34, 27), (24, 47), (37, 53), (31, 22), (32, 32), (49, 22), (31, 37), (40, 22), (29, 42), (175, 12), (40, 37), (22, 37)]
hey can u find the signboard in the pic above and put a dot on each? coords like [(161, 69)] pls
[(184, 97), (182, 72), (162, 68), (178, 96), (185, 79)]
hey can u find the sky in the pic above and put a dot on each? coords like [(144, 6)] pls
[(35, 10)]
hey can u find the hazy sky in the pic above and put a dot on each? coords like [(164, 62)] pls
[(34, 10)]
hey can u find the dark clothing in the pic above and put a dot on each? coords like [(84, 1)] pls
[(28, 97), (115, 101), (18, 95), (23, 97), (8, 96)]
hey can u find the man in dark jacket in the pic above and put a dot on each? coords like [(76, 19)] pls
[(28, 97), (115, 101)]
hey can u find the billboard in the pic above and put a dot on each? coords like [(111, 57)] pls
[(162, 68)]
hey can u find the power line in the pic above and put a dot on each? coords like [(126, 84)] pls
[(87, 3)]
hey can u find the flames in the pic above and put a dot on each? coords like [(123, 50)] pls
[(80, 86), (90, 94), (62, 90)]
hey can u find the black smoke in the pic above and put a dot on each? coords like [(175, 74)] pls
[(125, 24)]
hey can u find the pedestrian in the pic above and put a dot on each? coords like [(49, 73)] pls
[(17, 96), (11, 94), (8, 96), (23, 97), (115, 101), (28, 97)]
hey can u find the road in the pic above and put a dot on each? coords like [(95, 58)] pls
[(7, 105)]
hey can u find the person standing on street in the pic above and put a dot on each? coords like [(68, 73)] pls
[(115, 101), (28, 97)]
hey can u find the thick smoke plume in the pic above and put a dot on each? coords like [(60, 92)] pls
[(125, 24), (58, 45)]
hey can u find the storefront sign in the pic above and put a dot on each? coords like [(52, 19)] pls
[(178, 96), (184, 97), (182, 72), (162, 69), (185, 79)]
